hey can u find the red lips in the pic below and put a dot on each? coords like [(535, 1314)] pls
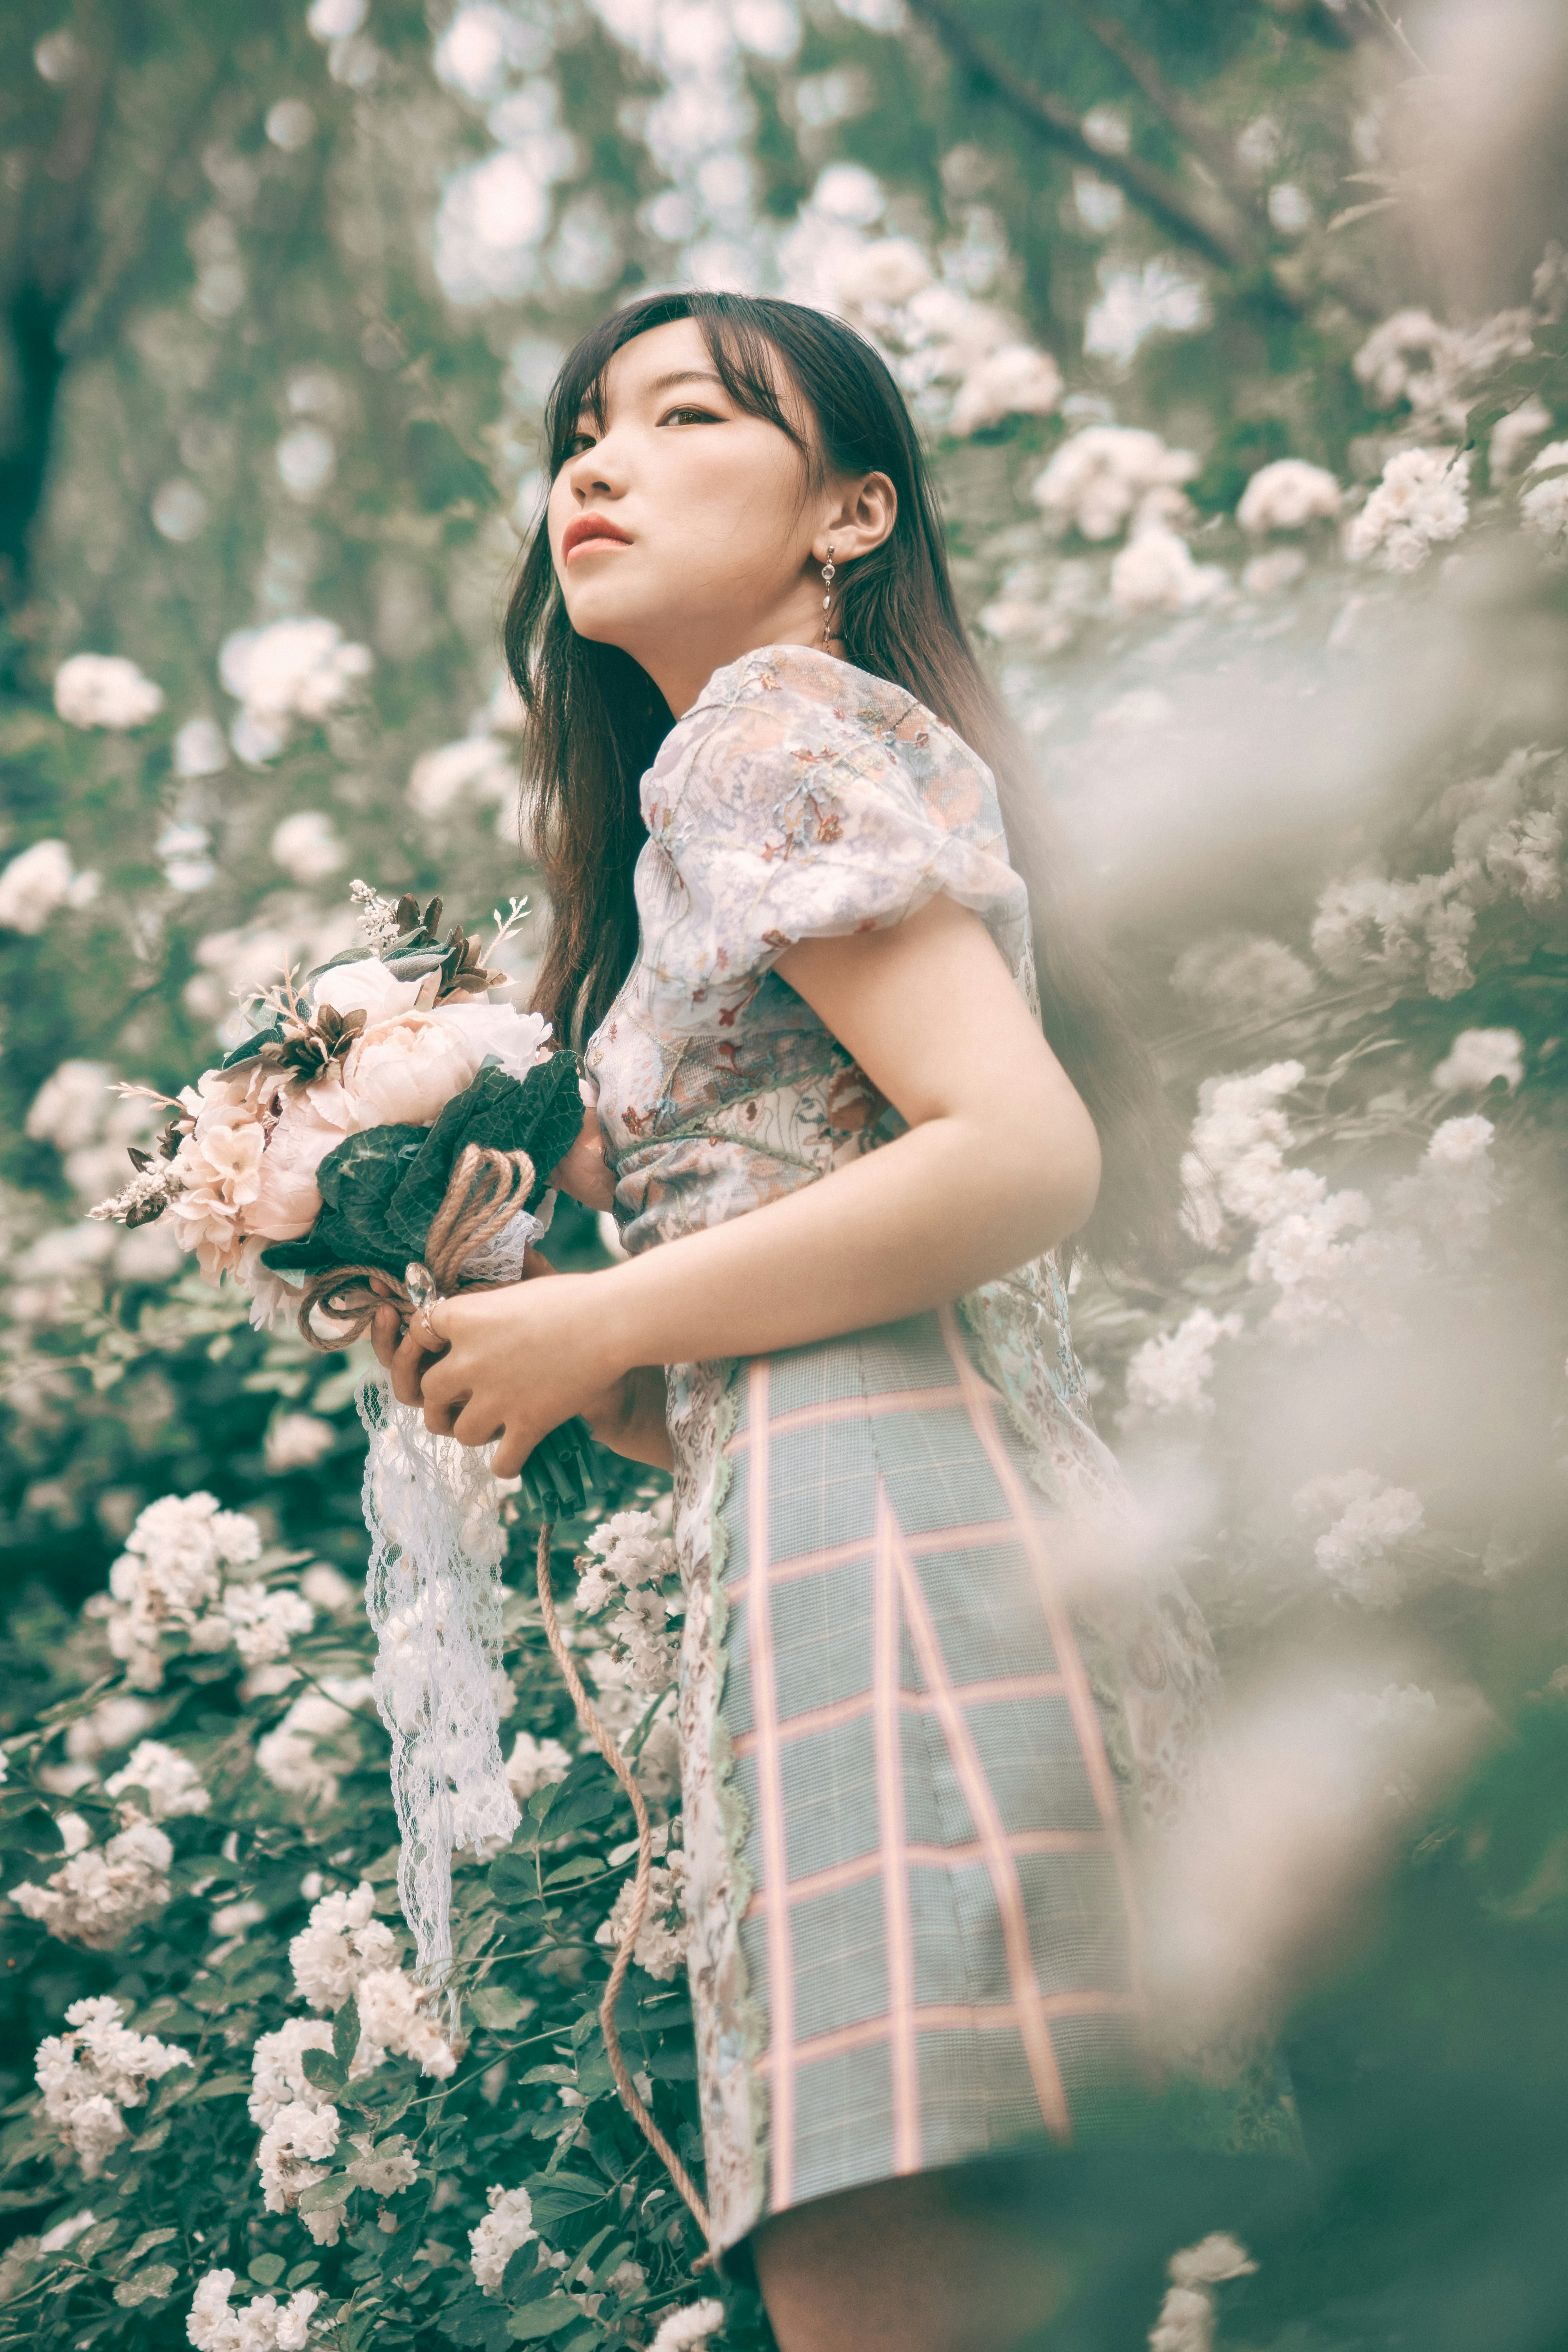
[(585, 527)]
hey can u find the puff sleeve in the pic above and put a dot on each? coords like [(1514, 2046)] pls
[(789, 819)]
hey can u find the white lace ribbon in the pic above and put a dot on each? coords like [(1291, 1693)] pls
[(433, 1593)]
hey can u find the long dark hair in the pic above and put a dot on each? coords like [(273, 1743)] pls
[(595, 721)]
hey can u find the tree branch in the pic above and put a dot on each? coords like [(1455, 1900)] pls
[(1205, 137), (1207, 227)]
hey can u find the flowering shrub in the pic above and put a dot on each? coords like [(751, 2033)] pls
[(1265, 549)]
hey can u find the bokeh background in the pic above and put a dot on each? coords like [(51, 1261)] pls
[(1239, 337)]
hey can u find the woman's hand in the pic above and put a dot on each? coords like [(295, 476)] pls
[(519, 1361), (582, 1171)]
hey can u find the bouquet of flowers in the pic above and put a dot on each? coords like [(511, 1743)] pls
[(385, 1136)]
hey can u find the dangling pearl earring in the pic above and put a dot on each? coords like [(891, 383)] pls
[(828, 570)]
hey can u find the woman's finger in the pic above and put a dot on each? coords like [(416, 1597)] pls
[(408, 1368), (385, 1328), (475, 1424)]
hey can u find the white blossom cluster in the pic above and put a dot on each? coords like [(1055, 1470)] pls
[(100, 1893), (278, 2077), (1108, 478), (1236, 1169), (289, 671), (1186, 2321), (1288, 495), (1170, 1372), (689, 2329), (1455, 1188), (1477, 1059), (343, 1948), (1370, 1520), (971, 360), (105, 690), (316, 1739), (1420, 502), (169, 1580), (1435, 369), (169, 1782), (292, 2156), (92, 2072), (535, 1764), (507, 2225), (1508, 841), (1543, 504), (37, 883), (666, 1931), (262, 2324), (632, 1559)]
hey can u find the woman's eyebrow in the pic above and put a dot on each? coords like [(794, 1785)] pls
[(663, 384)]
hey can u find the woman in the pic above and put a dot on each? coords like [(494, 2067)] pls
[(844, 1158)]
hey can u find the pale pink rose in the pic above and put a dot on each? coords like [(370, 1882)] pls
[(288, 1199), (403, 1072), (368, 988), (516, 1039), (227, 1097), (220, 1175)]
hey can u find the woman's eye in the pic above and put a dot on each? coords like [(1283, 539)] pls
[(578, 443), (702, 415)]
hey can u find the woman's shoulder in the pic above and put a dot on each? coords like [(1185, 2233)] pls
[(785, 713)]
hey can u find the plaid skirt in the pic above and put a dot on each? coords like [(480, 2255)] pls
[(907, 1800)]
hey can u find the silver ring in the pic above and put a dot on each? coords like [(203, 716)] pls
[(439, 1337)]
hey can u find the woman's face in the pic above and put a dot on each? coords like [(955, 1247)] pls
[(681, 527)]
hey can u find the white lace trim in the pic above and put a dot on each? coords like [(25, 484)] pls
[(433, 1593)]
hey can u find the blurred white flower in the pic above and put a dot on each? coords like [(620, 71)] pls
[(1419, 503), (291, 669), (848, 192), (491, 218), (1107, 130), (105, 690), (1170, 1372), (325, 1589), (687, 2330), (305, 458), (278, 2077), (39, 881), (1099, 477), (1241, 976), (1371, 1520), (394, 2014), (263, 2325), (265, 1622), (291, 125), (666, 1931), (335, 20), (1154, 573), (179, 511), (1016, 381), (475, 765), (100, 1893), (1186, 2321), (1135, 304), (93, 2070), (201, 749), (290, 2159), (234, 1918), (883, 276), (507, 2225), (533, 1763), (1512, 435), (291, 1756), (71, 1106), (1454, 1190), (295, 1440), (1477, 1057), (168, 1578), (307, 846), (341, 1942), (1288, 496), (114, 1722), (170, 1782), (1543, 507), (1289, 208), (1265, 575)]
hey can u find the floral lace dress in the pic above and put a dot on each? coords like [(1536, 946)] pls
[(918, 1745)]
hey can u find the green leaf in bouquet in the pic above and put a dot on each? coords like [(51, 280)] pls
[(272, 1035), (357, 1178), (541, 1114)]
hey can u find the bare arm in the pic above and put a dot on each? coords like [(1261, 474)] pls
[(1001, 1162)]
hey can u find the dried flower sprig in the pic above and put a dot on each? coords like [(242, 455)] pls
[(145, 1198)]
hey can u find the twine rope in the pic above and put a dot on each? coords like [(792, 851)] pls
[(484, 1192), (588, 1719)]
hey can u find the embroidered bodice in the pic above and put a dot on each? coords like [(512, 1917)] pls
[(800, 797)]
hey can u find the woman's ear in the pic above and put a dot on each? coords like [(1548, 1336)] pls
[(863, 517)]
